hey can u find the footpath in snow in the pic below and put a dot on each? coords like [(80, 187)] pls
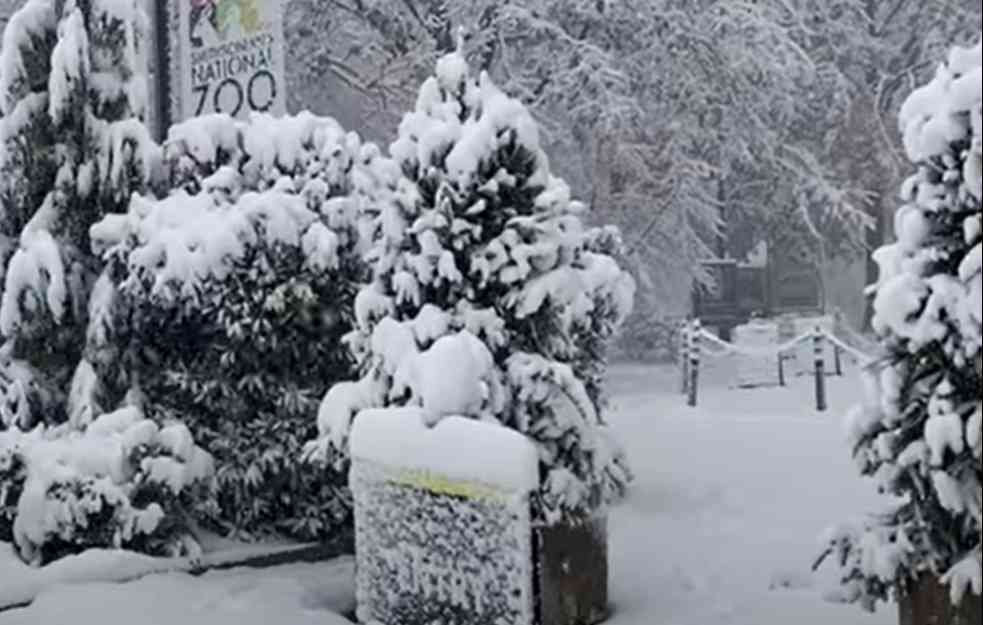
[(721, 526), (731, 498)]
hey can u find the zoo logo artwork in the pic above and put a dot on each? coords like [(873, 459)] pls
[(214, 22)]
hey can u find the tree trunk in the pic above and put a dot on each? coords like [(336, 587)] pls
[(602, 157), (866, 159), (929, 604)]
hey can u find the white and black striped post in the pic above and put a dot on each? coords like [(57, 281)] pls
[(819, 352), (838, 351), (781, 369), (694, 362), (684, 345)]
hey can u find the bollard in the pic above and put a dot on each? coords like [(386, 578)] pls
[(837, 361), (781, 369), (694, 362), (817, 342), (684, 356)]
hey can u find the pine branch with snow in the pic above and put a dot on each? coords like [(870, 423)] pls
[(72, 149), (918, 435)]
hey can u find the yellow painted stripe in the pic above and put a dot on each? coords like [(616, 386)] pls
[(441, 485)]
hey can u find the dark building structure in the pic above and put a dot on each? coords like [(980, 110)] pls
[(743, 291)]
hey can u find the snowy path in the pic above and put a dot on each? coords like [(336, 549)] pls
[(730, 499)]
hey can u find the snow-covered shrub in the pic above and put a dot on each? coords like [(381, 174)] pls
[(72, 149), (918, 433), (225, 303), (13, 473), (123, 482), (20, 395), (489, 298)]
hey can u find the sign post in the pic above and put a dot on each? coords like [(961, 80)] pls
[(159, 53)]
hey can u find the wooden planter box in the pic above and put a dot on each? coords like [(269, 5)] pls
[(572, 573), (929, 604)]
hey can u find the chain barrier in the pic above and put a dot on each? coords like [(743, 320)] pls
[(774, 351), (695, 341)]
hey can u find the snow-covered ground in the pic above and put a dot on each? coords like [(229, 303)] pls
[(720, 529), (297, 594), (730, 501)]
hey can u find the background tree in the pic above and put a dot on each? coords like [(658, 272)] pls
[(7, 8), (670, 115), (880, 49)]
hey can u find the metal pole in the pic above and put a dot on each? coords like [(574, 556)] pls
[(781, 369), (694, 363), (817, 343), (162, 69)]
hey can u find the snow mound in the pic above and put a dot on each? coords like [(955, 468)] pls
[(456, 448), (184, 240)]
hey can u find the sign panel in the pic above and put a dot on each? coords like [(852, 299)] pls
[(231, 57), (432, 549)]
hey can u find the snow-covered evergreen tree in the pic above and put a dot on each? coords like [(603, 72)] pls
[(918, 434), (489, 298), (224, 304), (72, 149)]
